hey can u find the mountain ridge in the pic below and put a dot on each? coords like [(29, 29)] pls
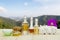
[(10, 23)]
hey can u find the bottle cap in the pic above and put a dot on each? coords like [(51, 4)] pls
[(31, 18), (36, 19), (25, 20), (36, 22)]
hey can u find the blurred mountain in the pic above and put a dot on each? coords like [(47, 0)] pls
[(16, 18), (17, 21), (42, 19)]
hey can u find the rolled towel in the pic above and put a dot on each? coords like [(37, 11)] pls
[(53, 29), (42, 29), (49, 31)]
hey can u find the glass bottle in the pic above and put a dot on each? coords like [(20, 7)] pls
[(31, 28), (36, 27), (25, 26)]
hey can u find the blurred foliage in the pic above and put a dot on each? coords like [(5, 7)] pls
[(6, 23)]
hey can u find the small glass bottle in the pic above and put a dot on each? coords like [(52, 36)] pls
[(31, 28), (36, 27), (25, 26)]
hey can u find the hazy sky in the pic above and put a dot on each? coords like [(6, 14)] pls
[(19, 8)]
